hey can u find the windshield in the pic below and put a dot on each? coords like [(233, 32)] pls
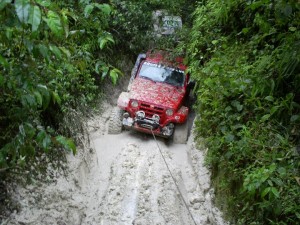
[(159, 73)]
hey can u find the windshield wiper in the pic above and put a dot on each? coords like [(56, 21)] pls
[(148, 78), (172, 83)]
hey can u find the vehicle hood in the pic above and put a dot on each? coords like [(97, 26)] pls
[(156, 93)]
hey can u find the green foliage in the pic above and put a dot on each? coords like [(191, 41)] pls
[(132, 24), (130, 33), (66, 143), (245, 57), (48, 56)]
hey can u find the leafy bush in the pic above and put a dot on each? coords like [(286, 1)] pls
[(132, 24), (51, 54), (245, 58)]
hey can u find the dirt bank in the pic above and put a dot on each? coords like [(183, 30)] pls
[(122, 179)]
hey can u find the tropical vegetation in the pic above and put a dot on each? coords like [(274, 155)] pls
[(56, 57), (245, 58)]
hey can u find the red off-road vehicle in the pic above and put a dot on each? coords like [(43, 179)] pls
[(157, 98)]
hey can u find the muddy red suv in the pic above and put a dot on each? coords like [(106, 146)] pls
[(157, 98)]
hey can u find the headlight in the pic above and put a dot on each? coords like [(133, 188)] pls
[(134, 104), (169, 112)]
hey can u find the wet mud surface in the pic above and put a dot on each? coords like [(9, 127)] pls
[(123, 179)]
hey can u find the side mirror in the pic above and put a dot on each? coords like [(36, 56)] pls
[(191, 85)]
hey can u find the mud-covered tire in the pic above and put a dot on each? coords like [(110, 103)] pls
[(181, 133), (115, 121)]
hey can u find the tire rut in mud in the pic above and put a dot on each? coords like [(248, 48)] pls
[(141, 190)]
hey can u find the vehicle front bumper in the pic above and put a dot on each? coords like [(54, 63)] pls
[(147, 125)]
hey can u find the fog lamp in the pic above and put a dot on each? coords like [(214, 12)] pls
[(126, 115)]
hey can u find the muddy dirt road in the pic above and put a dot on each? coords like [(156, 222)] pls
[(122, 179)]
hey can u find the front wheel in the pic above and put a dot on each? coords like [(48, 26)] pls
[(181, 133), (115, 122)]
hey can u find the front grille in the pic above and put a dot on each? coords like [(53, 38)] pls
[(150, 110)]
